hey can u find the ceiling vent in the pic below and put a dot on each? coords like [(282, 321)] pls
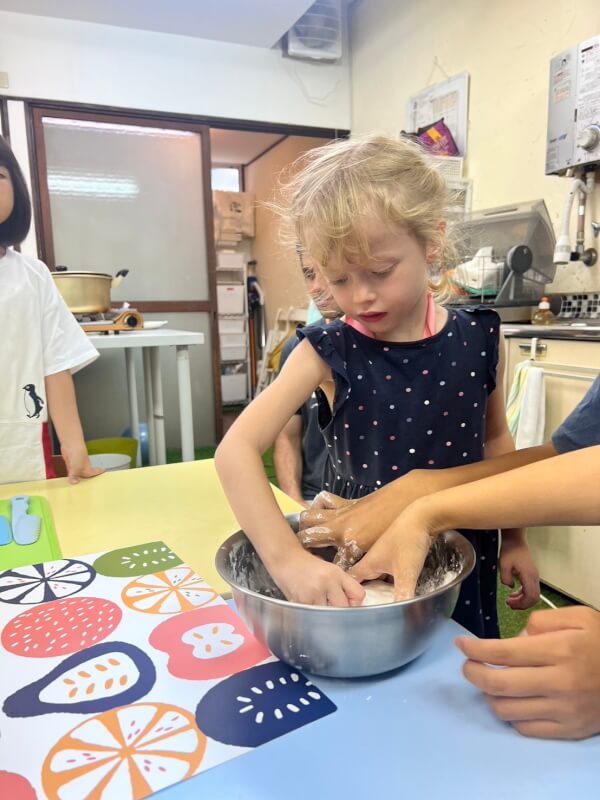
[(318, 34)]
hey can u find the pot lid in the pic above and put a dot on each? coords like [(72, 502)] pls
[(71, 273)]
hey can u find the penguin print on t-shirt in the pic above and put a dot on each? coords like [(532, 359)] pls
[(33, 402)]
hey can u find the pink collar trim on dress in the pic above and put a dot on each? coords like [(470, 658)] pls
[(428, 330)]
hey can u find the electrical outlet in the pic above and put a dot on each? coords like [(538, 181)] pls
[(3, 80)]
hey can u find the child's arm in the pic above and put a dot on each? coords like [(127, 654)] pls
[(558, 491), (287, 459), (62, 406), (515, 556), (301, 576)]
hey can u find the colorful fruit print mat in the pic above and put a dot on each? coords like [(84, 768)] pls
[(124, 672)]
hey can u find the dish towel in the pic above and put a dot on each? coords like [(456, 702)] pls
[(526, 408)]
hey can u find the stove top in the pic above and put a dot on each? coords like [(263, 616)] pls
[(112, 321)]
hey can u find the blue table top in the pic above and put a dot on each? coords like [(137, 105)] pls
[(421, 732)]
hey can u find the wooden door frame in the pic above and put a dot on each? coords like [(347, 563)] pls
[(193, 122), (4, 126), (34, 114)]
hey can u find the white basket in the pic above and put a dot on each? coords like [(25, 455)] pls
[(234, 388), (110, 461), (233, 346), (233, 260), (227, 326), (451, 167), (230, 298)]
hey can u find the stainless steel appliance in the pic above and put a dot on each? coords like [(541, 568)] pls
[(507, 258)]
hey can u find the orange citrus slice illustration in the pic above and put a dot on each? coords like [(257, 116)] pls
[(126, 753), (169, 592)]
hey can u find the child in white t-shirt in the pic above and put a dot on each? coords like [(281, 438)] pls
[(41, 345)]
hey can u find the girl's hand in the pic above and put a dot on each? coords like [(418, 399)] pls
[(516, 559), (78, 464), (304, 578), (400, 552)]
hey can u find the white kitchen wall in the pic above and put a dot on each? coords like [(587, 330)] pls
[(399, 49), (81, 62)]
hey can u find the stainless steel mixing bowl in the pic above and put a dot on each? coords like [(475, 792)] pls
[(345, 642)]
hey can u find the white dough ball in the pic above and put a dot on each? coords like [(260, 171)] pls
[(377, 593)]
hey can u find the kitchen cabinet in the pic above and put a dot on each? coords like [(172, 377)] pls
[(568, 556)]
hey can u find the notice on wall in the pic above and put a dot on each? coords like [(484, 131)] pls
[(449, 101)]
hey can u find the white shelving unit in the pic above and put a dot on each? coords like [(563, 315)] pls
[(232, 303)]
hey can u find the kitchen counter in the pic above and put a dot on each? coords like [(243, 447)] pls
[(564, 330), (423, 729), (181, 504)]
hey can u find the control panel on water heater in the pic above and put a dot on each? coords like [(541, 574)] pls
[(574, 108)]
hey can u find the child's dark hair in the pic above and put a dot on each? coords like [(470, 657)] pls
[(16, 227)]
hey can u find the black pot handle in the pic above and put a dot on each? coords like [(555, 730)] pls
[(122, 273), (61, 268)]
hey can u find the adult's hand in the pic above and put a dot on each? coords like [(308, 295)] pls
[(353, 526), (328, 502), (400, 552), (550, 687)]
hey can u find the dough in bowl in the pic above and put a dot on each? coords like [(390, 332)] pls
[(377, 593)]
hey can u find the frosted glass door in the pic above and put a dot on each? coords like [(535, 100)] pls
[(123, 195), (129, 196)]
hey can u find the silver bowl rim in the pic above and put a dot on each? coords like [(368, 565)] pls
[(469, 565)]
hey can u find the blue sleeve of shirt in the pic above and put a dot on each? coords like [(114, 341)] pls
[(582, 427)]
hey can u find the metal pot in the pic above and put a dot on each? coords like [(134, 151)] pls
[(87, 292), (344, 642)]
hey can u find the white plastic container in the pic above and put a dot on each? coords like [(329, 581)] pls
[(110, 461), (227, 326), (230, 298), (230, 260), (233, 346), (234, 388)]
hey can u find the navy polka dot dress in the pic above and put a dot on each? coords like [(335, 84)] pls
[(400, 406)]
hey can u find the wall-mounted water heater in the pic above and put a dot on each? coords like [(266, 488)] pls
[(574, 108)]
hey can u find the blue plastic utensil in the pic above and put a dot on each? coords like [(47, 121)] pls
[(5, 531), (25, 527)]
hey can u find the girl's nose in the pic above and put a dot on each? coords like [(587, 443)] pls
[(363, 293)]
